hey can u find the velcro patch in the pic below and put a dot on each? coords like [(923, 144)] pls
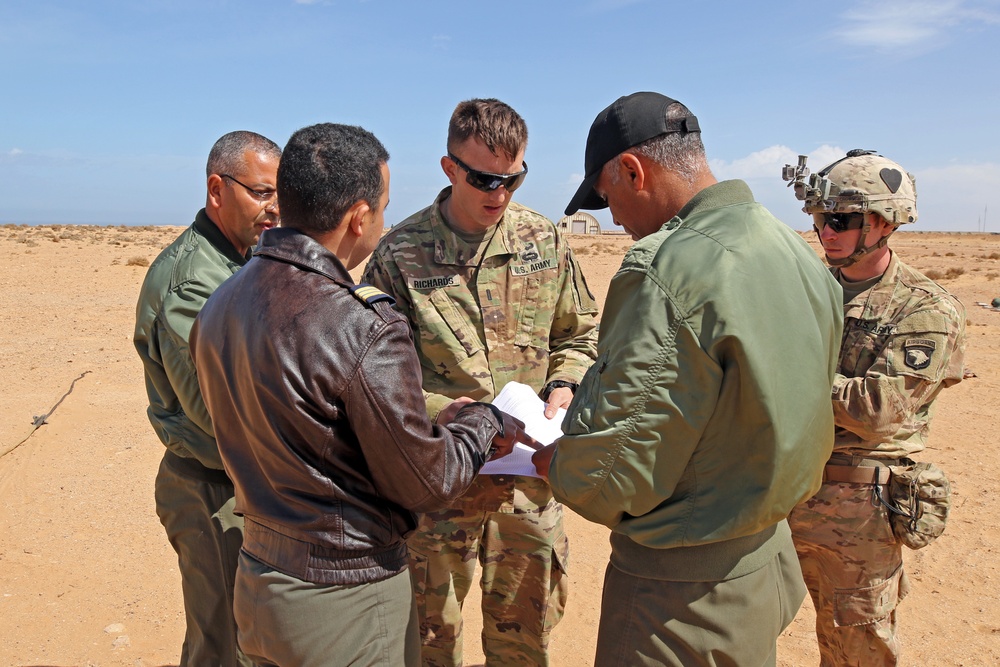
[(523, 269), (432, 282), (370, 295), (892, 179), (917, 353)]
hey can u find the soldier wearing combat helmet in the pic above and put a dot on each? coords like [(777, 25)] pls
[(903, 343)]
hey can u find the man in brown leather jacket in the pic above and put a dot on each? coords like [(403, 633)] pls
[(314, 390)]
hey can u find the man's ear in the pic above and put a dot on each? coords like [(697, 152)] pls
[(215, 186), (355, 217), (631, 169), (450, 169), (889, 228)]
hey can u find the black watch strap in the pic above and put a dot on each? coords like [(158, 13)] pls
[(556, 384)]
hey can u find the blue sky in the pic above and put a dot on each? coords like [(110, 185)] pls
[(109, 108)]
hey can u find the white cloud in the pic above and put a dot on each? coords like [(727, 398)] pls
[(767, 162), (910, 24), (306, 2), (441, 41), (14, 152)]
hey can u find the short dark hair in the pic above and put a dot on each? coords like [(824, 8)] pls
[(228, 155), (491, 121), (324, 170)]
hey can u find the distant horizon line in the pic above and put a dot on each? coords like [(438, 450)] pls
[(610, 231)]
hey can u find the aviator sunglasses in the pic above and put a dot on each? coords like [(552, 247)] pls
[(487, 182), (839, 222)]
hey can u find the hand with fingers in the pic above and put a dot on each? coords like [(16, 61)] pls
[(513, 432)]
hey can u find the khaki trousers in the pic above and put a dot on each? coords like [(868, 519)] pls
[(732, 623), (287, 622), (195, 506)]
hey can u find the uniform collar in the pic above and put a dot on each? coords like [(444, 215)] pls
[(450, 249), (717, 195), (204, 226), (294, 247), (863, 306)]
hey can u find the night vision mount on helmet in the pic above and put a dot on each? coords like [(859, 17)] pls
[(860, 182)]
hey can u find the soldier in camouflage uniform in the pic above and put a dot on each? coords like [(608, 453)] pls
[(494, 295), (903, 343)]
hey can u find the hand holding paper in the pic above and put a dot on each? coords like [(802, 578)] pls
[(520, 401)]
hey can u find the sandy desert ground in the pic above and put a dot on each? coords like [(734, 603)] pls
[(86, 574)]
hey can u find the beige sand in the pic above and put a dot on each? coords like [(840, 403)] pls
[(87, 576)]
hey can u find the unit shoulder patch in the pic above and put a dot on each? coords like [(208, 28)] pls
[(918, 352)]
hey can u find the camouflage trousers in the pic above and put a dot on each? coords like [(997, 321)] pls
[(513, 527), (853, 568)]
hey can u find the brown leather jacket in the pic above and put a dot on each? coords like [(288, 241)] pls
[(314, 393)]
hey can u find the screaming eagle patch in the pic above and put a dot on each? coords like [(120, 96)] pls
[(917, 353)]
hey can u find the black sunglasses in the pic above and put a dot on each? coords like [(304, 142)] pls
[(839, 222), (487, 182)]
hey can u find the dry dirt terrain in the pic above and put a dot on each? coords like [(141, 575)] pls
[(87, 576)]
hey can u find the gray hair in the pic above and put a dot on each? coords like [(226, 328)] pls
[(228, 154), (681, 152)]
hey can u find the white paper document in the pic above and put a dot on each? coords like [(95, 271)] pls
[(521, 401)]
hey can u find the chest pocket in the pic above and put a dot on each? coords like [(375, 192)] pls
[(527, 334), (534, 298), (863, 348), (446, 337), (581, 413)]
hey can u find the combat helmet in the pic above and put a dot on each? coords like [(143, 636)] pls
[(860, 182)]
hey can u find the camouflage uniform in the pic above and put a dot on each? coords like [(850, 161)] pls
[(903, 343), (513, 307)]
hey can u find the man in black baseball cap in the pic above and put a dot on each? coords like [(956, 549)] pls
[(630, 121), (707, 416)]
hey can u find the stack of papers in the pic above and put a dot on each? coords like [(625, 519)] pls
[(521, 401)]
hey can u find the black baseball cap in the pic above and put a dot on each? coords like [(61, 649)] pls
[(628, 122)]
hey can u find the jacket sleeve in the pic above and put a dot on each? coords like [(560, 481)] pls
[(385, 276), (573, 338), (640, 411), (180, 308), (925, 356), (414, 463)]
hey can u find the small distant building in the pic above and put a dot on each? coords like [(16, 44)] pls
[(579, 223)]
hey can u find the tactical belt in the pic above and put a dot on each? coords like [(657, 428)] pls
[(856, 474), (857, 470)]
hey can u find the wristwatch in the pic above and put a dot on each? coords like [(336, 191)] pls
[(556, 384)]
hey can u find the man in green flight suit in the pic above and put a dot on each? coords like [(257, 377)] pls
[(494, 295), (194, 496), (706, 416)]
